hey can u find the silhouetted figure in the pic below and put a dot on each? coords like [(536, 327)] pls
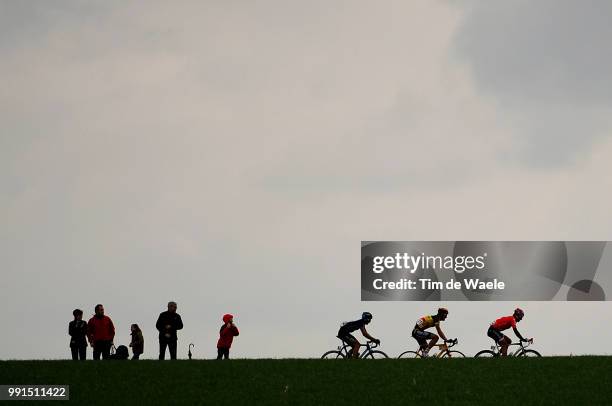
[(226, 336), (77, 329), (121, 353), (137, 343), (167, 324), (101, 332)]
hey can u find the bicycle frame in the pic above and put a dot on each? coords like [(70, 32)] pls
[(347, 350), (442, 348), (497, 348)]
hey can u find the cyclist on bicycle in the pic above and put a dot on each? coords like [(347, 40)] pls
[(504, 323), (347, 328), (425, 322)]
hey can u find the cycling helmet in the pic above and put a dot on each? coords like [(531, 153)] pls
[(442, 310), (519, 312), (366, 316)]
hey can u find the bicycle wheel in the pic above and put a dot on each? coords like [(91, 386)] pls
[(485, 354), (375, 354), (529, 353), (409, 354), (332, 355), (453, 354)]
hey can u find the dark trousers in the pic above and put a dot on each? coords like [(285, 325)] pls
[(135, 357), (171, 344), (222, 353), (101, 347), (78, 352)]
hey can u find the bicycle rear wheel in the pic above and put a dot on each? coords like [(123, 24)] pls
[(529, 353), (453, 354), (332, 355), (409, 354), (376, 355), (485, 354)]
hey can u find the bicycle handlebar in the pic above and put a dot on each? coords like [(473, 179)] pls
[(370, 343), (524, 343), (452, 343)]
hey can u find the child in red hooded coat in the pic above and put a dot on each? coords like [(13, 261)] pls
[(226, 336)]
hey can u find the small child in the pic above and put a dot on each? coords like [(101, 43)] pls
[(226, 336), (137, 343), (77, 329)]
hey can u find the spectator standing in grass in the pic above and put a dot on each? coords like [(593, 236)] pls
[(101, 333), (77, 329), (137, 343), (226, 336), (168, 323)]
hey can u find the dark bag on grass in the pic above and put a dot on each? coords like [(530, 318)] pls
[(121, 353)]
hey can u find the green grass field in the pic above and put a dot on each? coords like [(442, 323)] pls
[(551, 380)]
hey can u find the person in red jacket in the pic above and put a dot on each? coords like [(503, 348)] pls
[(226, 336), (101, 333)]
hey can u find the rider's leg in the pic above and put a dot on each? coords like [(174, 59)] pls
[(355, 352), (432, 342), (504, 343), (424, 347), (421, 341)]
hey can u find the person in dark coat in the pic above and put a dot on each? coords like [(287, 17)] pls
[(77, 329), (137, 343), (167, 324), (226, 336)]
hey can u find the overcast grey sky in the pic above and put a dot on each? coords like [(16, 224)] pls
[(232, 155)]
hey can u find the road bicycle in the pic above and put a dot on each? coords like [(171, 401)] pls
[(443, 351), (521, 351), (344, 351)]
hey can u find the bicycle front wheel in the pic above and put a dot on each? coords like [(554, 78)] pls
[(375, 354), (332, 355), (485, 354), (409, 354), (529, 353), (453, 354)]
